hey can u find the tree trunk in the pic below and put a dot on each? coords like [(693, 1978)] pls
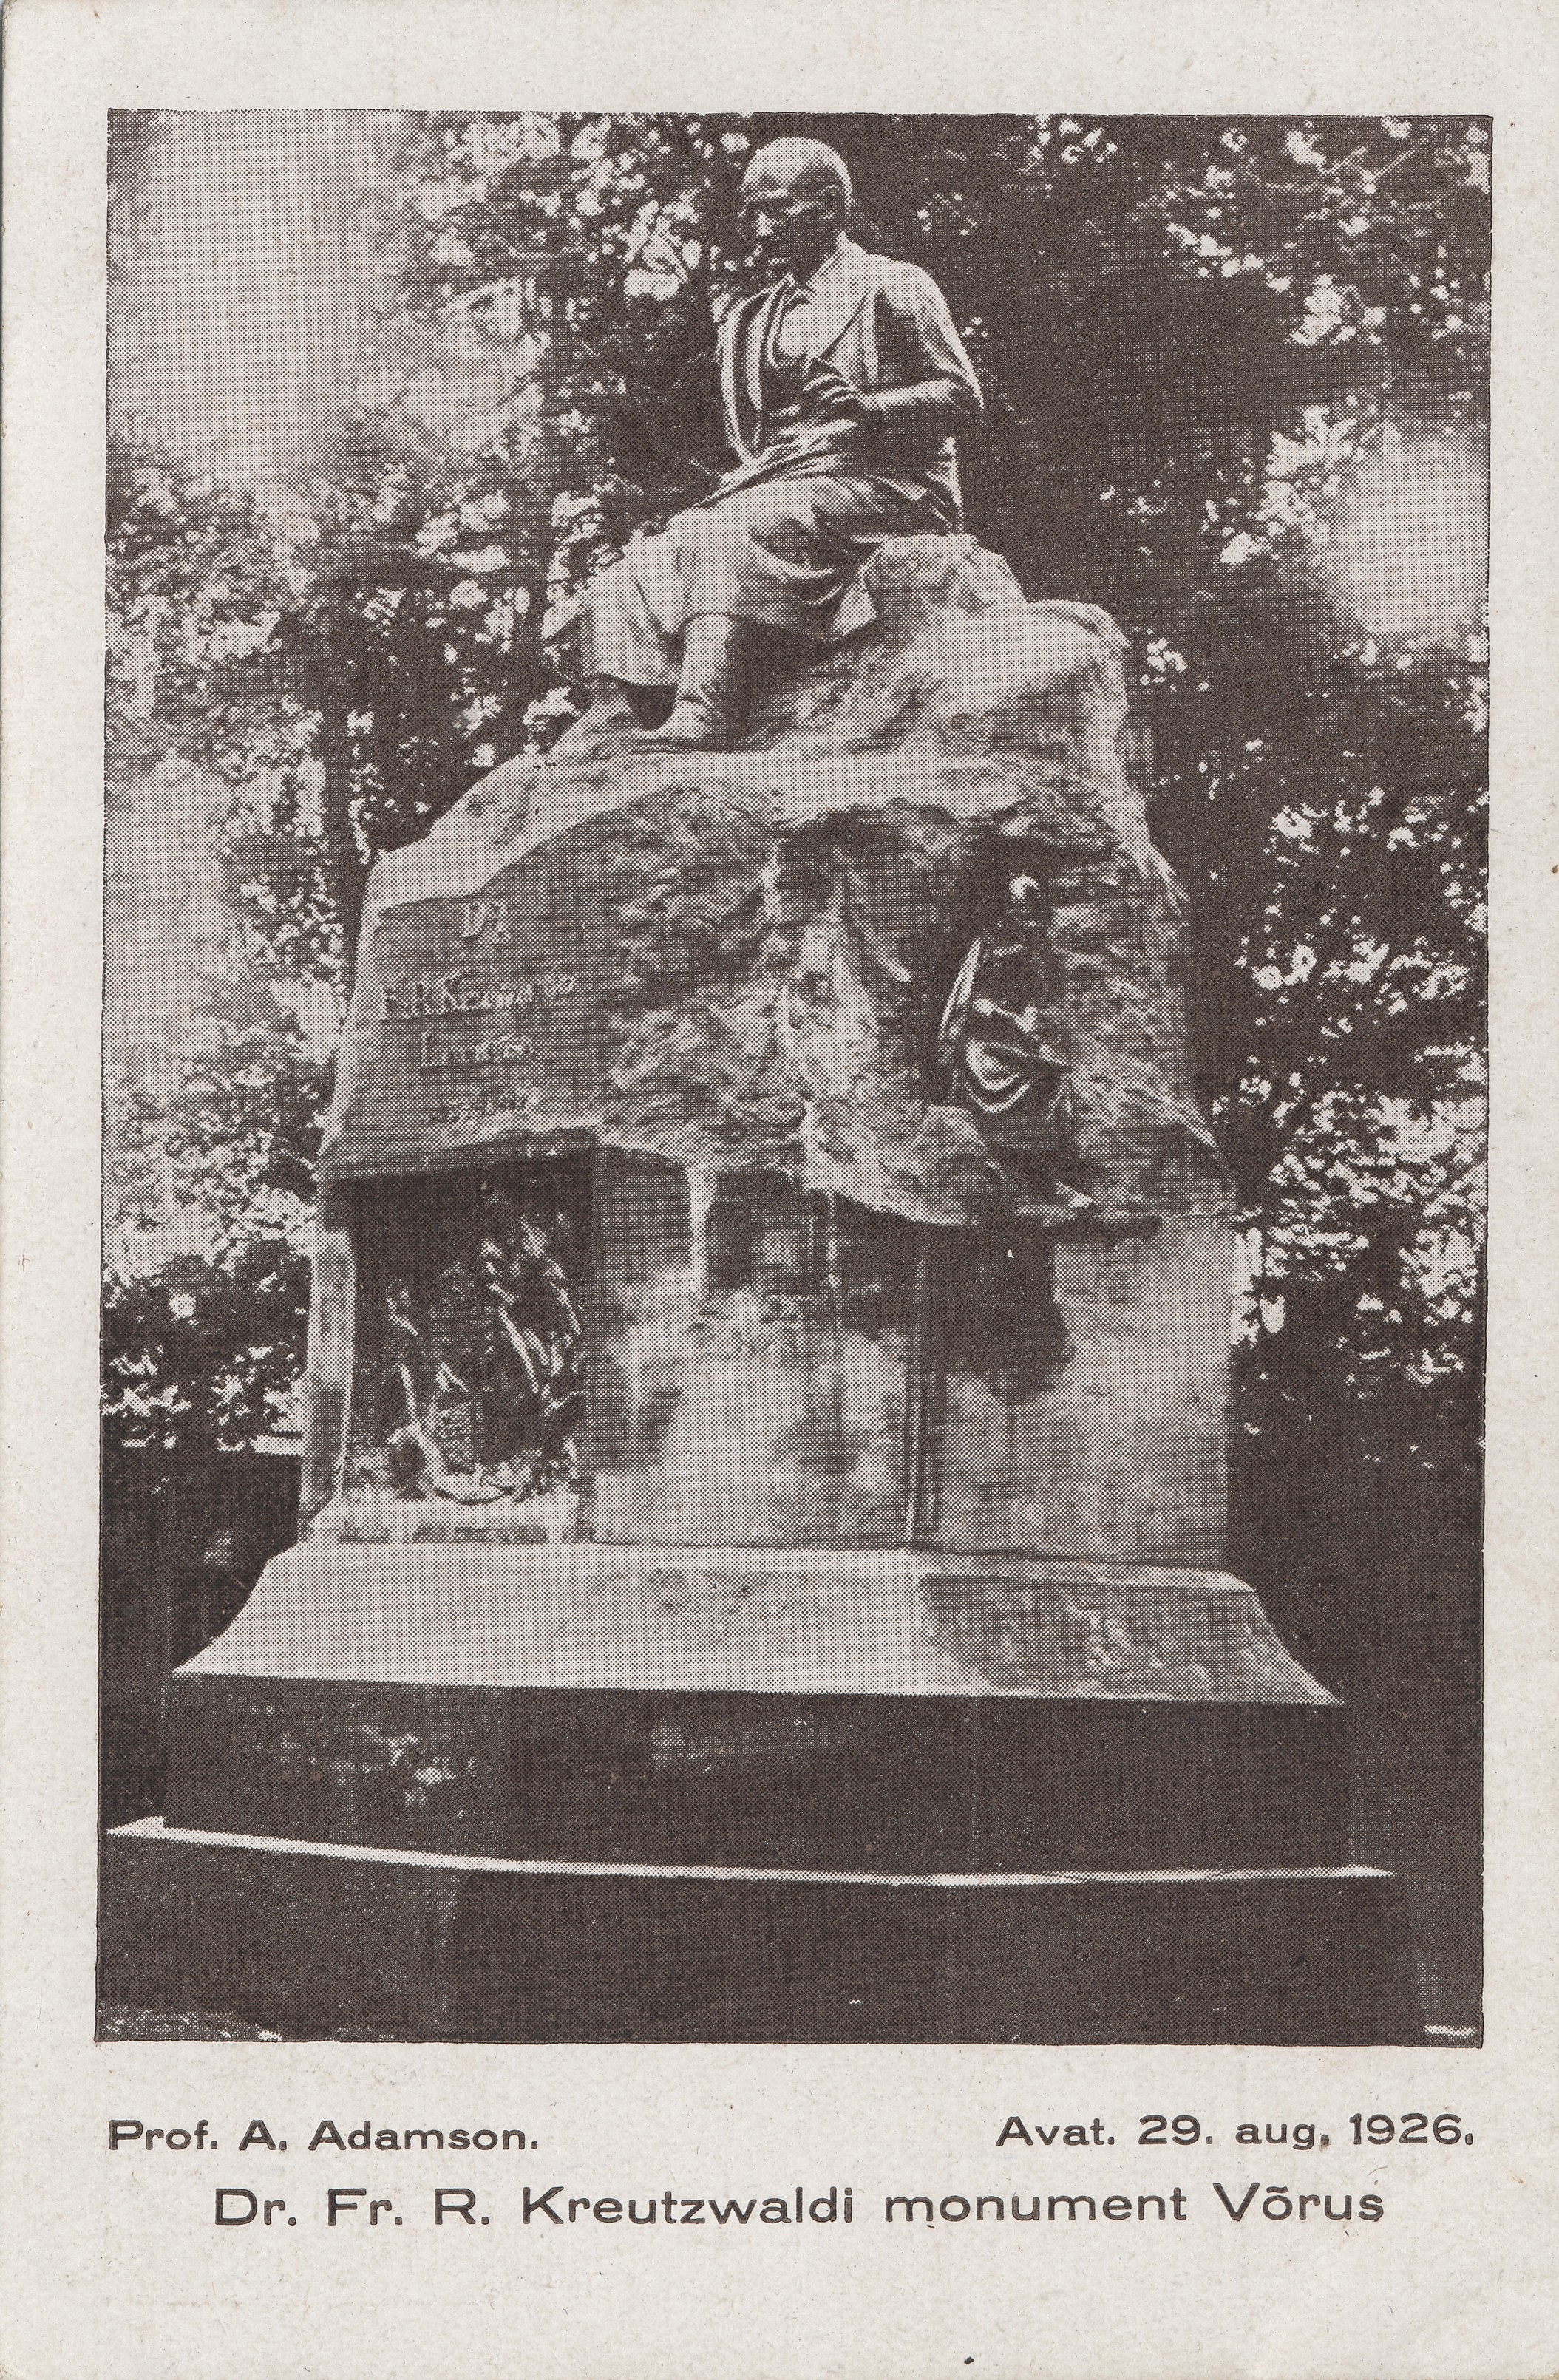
[(336, 810), (535, 477)]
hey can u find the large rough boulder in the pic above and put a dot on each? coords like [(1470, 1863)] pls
[(744, 960)]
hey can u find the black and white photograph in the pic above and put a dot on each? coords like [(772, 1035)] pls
[(794, 1078), (779, 1306)]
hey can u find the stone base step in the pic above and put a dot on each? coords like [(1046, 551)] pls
[(860, 1711), (319, 1940)]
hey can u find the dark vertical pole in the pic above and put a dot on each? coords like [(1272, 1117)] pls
[(918, 1357), (587, 1436), (833, 1355)]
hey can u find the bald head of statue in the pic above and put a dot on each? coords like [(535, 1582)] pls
[(796, 195)]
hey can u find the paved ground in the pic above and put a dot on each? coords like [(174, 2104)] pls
[(197, 2024)]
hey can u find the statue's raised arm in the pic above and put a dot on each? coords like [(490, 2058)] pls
[(843, 379)]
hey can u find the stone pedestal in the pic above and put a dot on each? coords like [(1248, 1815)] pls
[(768, 1408), (882, 1713), (585, 1793)]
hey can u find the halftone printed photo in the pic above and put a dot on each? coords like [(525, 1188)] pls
[(779, 1320), (794, 1079)]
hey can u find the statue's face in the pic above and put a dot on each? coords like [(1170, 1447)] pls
[(790, 220)]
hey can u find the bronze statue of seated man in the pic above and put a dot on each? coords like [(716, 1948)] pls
[(843, 380)]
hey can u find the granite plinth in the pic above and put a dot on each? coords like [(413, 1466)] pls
[(738, 1402), (319, 1942), (772, 1367), (887, 1712)]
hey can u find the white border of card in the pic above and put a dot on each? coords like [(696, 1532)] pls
[(113, 2263)]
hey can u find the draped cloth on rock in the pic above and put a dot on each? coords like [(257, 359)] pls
[(783, 540)]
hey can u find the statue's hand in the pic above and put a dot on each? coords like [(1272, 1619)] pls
[(829, 396)]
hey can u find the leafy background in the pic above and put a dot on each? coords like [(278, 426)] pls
[(385, 389)]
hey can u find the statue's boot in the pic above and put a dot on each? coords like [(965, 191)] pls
[(610, 722), (706, 715)]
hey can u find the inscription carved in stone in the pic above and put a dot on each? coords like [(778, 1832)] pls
[(410, 999)]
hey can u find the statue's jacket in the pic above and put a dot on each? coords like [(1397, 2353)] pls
[(783, 539), (883, 326)]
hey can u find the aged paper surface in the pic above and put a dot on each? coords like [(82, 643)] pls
[(318, 2056)]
